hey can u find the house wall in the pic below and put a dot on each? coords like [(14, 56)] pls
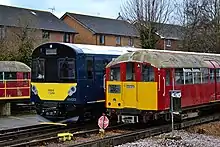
[(161, 44), (86, 36)]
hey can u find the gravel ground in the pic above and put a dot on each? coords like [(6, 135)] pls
[(187, 140)]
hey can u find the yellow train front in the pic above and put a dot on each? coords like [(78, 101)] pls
[(131, 90)]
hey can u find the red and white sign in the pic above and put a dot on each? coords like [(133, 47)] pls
[(103, 122)]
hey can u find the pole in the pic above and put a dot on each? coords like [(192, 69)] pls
[(172, 117)]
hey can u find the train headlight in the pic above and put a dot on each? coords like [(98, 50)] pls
[(34, 90), (72, 91)]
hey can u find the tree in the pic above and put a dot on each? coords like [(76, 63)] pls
[(147, 17), (18, 42), (202, 26)]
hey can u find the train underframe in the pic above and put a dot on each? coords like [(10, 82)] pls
[(137, 116), (68, 112)]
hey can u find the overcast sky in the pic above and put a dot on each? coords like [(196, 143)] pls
[(103, 8)]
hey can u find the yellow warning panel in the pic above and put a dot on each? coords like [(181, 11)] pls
[(113, 94), (147, 96), (130, 94)]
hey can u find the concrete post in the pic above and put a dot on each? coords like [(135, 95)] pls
[(5, 109)]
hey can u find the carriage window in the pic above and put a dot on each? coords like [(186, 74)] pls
[(205, 75), (25, 75), (38, 68), (130, 72), (66, 68), (179, 76), (212, 75), (1, 76), (218, 74), (167, 77), (147, 73), (89, 68), (10, 75), (197, 76), (188, 76), (115, 73)]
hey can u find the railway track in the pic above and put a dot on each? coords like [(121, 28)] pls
[(127, 133)]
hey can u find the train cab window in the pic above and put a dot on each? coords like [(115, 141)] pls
[(179, 76), (147, 73), (212, 75), (197, 76), (130, 72), (167, 77), (89, 68), (188, 76), (10, 75), (38, 68), (66, 68), (115, 73)]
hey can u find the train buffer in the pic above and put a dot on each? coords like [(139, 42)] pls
[(65, 136)]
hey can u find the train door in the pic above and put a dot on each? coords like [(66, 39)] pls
[(129, 86), (162, 91), (89, 81), (212, 82)]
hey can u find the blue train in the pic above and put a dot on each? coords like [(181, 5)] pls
[(67, 80)]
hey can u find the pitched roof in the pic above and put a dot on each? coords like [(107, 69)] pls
[(18, 17), (100, 25), (170, 31)]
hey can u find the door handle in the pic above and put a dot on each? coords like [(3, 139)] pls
[(164, 92)]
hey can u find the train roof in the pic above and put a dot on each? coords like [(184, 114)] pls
[(13, 66), (169, 59)]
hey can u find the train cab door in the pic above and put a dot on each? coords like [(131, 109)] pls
[(161, 79), (130, 86)]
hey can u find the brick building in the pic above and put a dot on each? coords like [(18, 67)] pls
[(101, 31), (42, 26)]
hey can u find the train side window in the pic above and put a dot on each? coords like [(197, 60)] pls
[(115, 73), (212, 75), (89, 63), (10, 75), (130, 72), (25, 75), (147, 73), (179, 76), (188, 76), (205, 75), (197, 76), (218, 74), (167, 77), (1, 76)]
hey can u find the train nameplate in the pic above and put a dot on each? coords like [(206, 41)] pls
[(51, 91), (130, 86)]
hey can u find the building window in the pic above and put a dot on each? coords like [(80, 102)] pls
[(46, 35), (66, 38), (102, 39), (130, 41), (118, 40), (2, 32), (168, 43)]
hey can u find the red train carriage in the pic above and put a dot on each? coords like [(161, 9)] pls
[(14, 81), (138, 84)]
